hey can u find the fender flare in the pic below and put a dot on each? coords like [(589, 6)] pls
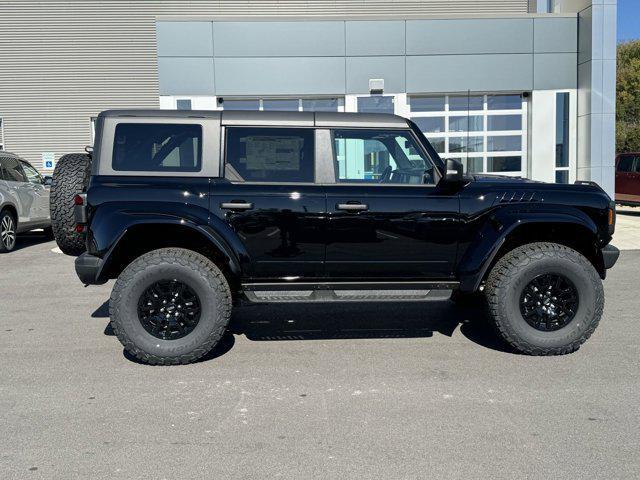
[(232, 255), (495, 231)]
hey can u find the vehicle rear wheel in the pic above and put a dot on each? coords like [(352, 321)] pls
[(544, 299), (70, 177), (170, 306), (8, 229)]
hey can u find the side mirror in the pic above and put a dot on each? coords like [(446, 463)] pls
[(47, 180), (453, 171)]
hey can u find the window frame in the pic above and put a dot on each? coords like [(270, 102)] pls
[(210, 146), (199, 163), (484, 134), (223, 154), (24, 164), (334, 160), (1, 134)]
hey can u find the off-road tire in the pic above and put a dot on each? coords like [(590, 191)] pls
[(70, 177), (186, 266), (515, 270), (7, 213)]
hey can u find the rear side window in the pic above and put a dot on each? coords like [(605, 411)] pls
[(260, 154), (13, 171), (625, 164), (148, 147)]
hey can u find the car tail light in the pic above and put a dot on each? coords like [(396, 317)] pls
[(80, 228), (78, 200)]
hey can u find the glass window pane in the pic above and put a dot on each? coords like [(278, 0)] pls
[(12, 170), (32, 174), (148, 147), (625, 163), (504, 164), (562, 176), (320, 105), (380, 156), (562, 130), (241, 104), (426, 104), (464, 144), (257, 154), (430, 124), (472, 164), (472, 123), (280, 105), (504, 144), (184, 104), (504, 102), (437, 144), (375, 104), (457, 103), (504, 122)]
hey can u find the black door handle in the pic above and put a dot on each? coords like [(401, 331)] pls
[(353, 207), (238, 206)]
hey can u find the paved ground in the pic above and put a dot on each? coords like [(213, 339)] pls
[(377, 391), (627, 235)]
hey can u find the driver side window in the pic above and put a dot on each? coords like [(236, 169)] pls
[(380, 157)]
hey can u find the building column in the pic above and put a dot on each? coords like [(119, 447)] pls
[(597, 92)]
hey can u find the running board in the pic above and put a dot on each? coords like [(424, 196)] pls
[(348, 292)]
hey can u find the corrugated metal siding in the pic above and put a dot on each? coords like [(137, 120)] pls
[(62, 62)]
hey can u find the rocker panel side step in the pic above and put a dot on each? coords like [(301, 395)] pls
[(348, 292)]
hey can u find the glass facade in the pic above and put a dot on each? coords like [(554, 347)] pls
[(486, 132)]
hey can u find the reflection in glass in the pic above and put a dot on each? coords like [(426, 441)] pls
[(464, 103), (437, 144), (375, 104), (472, 123), (280, 105), (320, 105), (241, 104), (504, 143), (464, 144), (504, 164), (504, 102), (562, 130), (426, 104), (430, 124), (504, 122)]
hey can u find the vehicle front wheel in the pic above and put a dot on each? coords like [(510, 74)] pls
[(544, 299), (170, 306)]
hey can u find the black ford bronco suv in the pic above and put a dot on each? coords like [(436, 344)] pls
[(193, 211)]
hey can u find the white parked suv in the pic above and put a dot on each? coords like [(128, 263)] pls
[(24, 200)]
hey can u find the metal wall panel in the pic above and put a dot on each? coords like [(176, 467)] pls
[(555, 71), (375, 38), (185, 39), (466, 36), (278, 39), (280, 76), (361, 69), (459, 73), (555, 34), (186, 76)]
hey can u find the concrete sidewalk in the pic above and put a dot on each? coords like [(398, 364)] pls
[(627, 235)]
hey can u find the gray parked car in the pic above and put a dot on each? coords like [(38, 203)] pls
[(24, 200)]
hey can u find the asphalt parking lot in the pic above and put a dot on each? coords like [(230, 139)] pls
[(413, 390)]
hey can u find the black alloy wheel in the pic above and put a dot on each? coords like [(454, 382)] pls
[(169, 309), (549, 302)]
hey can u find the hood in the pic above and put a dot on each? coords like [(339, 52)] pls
[(488, 178)]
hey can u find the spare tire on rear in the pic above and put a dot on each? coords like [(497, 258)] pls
[(70, 177)]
